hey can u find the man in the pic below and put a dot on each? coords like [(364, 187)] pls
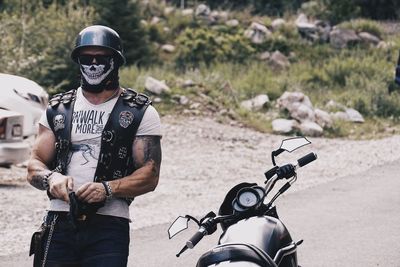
[(98, 147)]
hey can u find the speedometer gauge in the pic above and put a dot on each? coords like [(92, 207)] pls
[(247, 197)]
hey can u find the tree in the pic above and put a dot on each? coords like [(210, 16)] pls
[(124, 17)]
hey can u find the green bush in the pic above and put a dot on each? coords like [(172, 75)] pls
[(207, 46), (363, 25)]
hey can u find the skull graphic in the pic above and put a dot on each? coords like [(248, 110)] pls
[(95, 74), (59, 122)]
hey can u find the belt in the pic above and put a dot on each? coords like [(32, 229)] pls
[(65, 215)]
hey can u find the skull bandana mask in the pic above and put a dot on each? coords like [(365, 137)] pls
[(99, 77)]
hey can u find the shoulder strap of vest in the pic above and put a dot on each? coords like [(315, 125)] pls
[(59, 117)]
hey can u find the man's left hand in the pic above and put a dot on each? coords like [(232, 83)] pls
[(91, 192)]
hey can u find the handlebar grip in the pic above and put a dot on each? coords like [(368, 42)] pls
[(307, 159), (196, 238)]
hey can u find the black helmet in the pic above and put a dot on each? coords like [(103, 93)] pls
[(100, 36)]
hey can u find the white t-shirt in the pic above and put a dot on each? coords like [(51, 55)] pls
[(88, 122)]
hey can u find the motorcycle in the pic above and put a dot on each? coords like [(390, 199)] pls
[(252, 233)]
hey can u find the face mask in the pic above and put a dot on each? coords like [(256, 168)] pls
[(98, 77)]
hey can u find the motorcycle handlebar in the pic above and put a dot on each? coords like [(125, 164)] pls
[(196, 237), (307, 159)]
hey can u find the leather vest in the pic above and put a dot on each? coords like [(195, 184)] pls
[(115, 158)]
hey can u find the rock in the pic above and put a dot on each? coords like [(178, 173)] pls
[(341, 115), (168, 10), (183, 100), (383, 45), (257, 33), (301, 112), (143, 22), (341, 38), (283, 126), (155, 20), (288, 98), (369, 38), (202, 10), (232, 23), (157, 100), (265, 56), (279, 60), (168, 48), (255, 103), (195, 106), (187, 12), (310, 128), (301, 18), (323, 118), (155, 86), (277, 23), (166, 29), (188, 83), (354, 115)]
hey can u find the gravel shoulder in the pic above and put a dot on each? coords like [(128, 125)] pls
[(202, 159)]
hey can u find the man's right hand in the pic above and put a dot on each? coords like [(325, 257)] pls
[(60, 186)]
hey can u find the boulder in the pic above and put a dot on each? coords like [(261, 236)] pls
[(277, 23), (284, 126), (202, 10), (168, 10), (323, 118), (311, 128), (341, 38), (286, 100), (232, 23), (383, 45), (279, 60), (369, 38), (155, 20), (187, 12), (257, 33), (255, 103), (333, 105), (183, 100), (168, 48), (301, 112), (265, 56), (354, 115), (188, 83), (155, 86)]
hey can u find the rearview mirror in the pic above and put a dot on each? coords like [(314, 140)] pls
[(180, 224), (290, 145)]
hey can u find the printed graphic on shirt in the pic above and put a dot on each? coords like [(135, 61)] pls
[(87, 150), (88, 121)]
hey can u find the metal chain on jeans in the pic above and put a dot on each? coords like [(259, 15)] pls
[(53, 223)]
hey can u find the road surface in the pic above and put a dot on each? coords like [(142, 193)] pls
[(353, 221)]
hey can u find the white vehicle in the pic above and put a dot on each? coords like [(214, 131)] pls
[(25, 97), (12, 147)]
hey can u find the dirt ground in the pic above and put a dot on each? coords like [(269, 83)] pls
[(202, 159)]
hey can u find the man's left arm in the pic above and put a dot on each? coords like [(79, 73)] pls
[(147, 160)]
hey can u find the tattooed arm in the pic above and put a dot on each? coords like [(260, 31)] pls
[(147, 160), (42, 155)]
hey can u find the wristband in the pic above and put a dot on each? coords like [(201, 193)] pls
[(108, 189), (46, 180)]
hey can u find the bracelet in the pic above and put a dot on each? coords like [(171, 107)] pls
[(108, 189), (46, 180)]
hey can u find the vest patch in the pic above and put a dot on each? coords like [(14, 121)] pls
[(125, 119), (59, 122)]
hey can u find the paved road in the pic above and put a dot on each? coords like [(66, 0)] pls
[(354, 221)]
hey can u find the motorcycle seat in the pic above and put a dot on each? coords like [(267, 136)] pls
[(236, 252)]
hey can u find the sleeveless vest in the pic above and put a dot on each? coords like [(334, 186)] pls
[(115, 158)]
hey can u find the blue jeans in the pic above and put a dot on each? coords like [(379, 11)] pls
[(100, 241)]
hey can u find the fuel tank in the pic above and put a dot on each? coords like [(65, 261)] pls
[(265, 232)]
